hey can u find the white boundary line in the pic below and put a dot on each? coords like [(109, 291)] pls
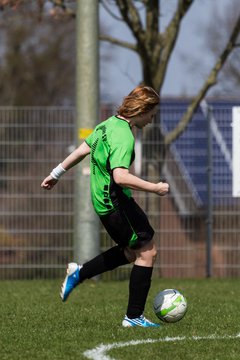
[(99, 352)]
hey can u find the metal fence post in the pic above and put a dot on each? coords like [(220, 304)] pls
[(207, 111), (210, 196)]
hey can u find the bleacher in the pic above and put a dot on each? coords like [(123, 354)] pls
[(191, 153)]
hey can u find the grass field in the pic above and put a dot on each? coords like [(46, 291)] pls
[(34, 324)]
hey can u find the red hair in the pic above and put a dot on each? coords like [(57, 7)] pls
[(141, 100)]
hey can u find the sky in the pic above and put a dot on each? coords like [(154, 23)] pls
[(123, 72)]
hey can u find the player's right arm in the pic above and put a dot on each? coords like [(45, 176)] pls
[(74, 158), (123, 178)]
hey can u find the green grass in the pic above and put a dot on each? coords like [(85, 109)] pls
[(34, 324)]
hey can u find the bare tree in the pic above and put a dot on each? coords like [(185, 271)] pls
[(214, 37), (153, 47), (37, 69), (38, 52)]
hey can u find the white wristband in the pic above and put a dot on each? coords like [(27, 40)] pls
[(57, 172)]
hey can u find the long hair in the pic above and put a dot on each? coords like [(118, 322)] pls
[(141, 100)]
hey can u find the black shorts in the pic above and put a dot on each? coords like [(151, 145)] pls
[(128, 225)]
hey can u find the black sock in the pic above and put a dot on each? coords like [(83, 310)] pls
[(106, 261), (139, 285)]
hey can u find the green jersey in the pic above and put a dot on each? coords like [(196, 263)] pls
[(112, 146)]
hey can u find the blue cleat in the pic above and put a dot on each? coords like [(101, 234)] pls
[(140, 321), (71, 280)]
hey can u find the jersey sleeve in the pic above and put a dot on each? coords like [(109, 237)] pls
[(89, 139), (122, 149)]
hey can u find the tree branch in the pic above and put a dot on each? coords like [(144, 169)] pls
[(152, 28), (131, 17), (211, 80), (170, 37), (118, 42), (111, 13)]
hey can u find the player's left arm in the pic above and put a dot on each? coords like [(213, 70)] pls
[(74, 158)]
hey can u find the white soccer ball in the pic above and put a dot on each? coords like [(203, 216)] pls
[(170, 305)]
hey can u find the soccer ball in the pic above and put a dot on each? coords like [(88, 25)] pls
[(170, 305)]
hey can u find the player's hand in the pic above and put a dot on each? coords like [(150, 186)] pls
[(48, 183), (162, 188)]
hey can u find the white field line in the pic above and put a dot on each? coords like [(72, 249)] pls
[(99, 352)]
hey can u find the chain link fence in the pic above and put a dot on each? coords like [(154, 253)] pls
[(36, 226)]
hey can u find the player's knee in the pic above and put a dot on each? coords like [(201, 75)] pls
[(154, 254), (148, 253), (151, 254)]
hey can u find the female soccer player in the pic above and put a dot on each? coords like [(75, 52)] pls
[(111, 149)]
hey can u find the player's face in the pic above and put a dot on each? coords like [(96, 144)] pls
[(146, 118)]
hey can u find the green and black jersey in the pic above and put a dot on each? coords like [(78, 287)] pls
[(112, 146)]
